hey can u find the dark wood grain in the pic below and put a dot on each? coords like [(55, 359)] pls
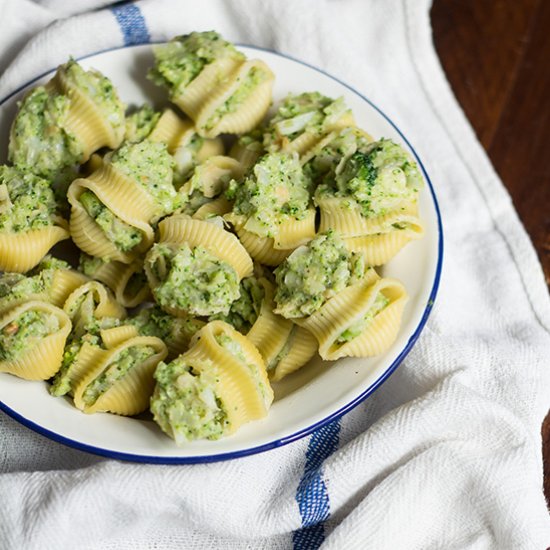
[(496, 56)]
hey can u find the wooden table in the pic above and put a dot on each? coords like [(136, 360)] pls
[(496, 54)]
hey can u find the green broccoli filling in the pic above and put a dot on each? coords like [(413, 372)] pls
[(24, 332), (357, 328), (307, 112), (193, 280), (171, 330), (180, 61), (150, 165), (322, 168), (185, 404), (39, 141), (26, 201), (124, 236), (245, 310), (381, 179), (314, 273), (274, 191), (140, 124)]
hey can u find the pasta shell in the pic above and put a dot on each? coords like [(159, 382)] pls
[(42, 360), (20, 252)]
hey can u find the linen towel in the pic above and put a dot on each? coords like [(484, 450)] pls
[(447, 453)]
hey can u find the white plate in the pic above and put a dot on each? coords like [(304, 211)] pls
[(313, 396)]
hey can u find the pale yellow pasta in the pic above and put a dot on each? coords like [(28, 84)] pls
[(129, 394), (302, 346), (291, 234), (200, 89), (43, 359), (84, 119), (121, 279), (247, 114), (112, 337), (92, 301), (241, 385), (64, 283), (125, 199), (20, 252), (349, 307), (246, 154), (225, 246), (284, 346), (213, 208), (172, 130)]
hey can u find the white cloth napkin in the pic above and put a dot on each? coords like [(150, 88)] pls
[(447, 453)]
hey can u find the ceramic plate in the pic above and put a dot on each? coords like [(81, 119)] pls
[(315, 395)]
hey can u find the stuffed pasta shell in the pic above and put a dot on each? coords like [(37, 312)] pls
[(302, 120), (194, 65), (112, 210), (196, 267), (212, 390), (373, 201), (272, 214), (283, 345), (29, 224), (186, 146), (328, 291), (127, 281), (202, 194), (118, 379), (32, 339), (59, 126)]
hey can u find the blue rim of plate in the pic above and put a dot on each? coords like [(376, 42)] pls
[(305, 431)]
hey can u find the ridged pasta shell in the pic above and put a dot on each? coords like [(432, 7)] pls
[(211, 175), (270, 331), (89, 237), (348, 307), (130, 394), (380, 249), (105, 303), (112, 337), (172, 130), (117, 277), (216, 207), (260, 248), (212, 77), (85, 120), (248, 114), (303, 347), (343, 215), (20, 252), (246, 156), (246, 395), (219, 242), (65, 282), (43, 360)]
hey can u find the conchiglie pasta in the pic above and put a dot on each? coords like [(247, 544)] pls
[(222, 244), (217, 386), (284, 346), (32, 338), (240, 104), (121, 381), (20, 252), (361, 321)]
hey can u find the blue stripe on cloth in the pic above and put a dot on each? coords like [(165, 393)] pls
[(312, 495), (132, 24)]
